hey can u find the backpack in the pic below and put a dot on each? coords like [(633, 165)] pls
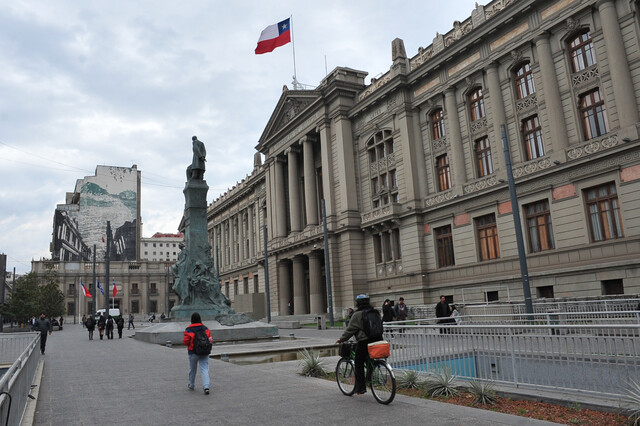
[(201, 343), (372, 323)]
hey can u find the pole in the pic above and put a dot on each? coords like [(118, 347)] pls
[(75, 299), (293, 48), (95, 287), (524, 271), (3, 269), (327, 265), (107, 259), (266, 274), (168, 310)]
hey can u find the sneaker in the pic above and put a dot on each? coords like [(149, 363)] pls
[(206, 391), (361, 391), (191, 387)]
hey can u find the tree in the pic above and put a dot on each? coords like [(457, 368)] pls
[(50, 297), (33, 295)]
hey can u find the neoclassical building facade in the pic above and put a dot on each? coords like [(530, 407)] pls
[(411, 169)]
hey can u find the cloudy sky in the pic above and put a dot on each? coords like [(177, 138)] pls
[(129, 82)]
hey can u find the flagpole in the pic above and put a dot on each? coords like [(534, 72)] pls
[(293, 48)]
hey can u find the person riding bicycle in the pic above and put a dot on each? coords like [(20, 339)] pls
[(356, 328)]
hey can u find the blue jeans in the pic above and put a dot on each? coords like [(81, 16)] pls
[(203, 360)]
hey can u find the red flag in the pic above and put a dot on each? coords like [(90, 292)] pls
[(273, 36), (115, 290), (103, 239), (84, 290)]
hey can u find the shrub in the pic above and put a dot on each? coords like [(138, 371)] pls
[(632, 397), (311, 364), (409, 379), (483, 392), (441, 383)]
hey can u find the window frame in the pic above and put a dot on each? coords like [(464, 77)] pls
[(532, 137), (383, 182), (523, 80), (595, 122), (611, 215), (582, 53), (477, 109), (484, 161), (438, 128), (443, 172), (540, 234), (444, 246), (487, 237)]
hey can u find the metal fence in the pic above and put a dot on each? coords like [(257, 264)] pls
[(596, 359), (19, 350)]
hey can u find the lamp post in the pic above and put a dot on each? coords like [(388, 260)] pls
[(524, 271), (327, 265), (266, 274)]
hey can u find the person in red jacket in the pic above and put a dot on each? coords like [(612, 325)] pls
[(195, 359)]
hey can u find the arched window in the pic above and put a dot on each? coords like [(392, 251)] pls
[(483, 157), (476, 104), (594, 114), (444, 174), (523, 78), (582, 52), (532, 135), (437, 124)]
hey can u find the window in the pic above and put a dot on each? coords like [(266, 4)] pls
[(487, 237), (135, 306), (245, 285), (71, 308), (492, 296), (594, 114), (444, 246), (134, 288), (476, 104), (437, 124), (235, 287), (383, 178), (582, 52), (377, 248), (256, 288), (153, 306), (386, 246), (532, 134), (483, 157), (539, 226), (444, 174), (603, 209), (610, 287), (153, 289), (524, 81), (545, 291)]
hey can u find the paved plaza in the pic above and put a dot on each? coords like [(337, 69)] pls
[(125, 381)]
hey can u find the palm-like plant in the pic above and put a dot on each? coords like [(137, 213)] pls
[(409, 379), (311, 364), (483, 392), (632, 398), (441, 383)]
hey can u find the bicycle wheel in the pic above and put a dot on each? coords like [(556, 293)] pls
[(346, 376), (383, 382)]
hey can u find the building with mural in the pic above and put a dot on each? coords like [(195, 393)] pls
[(411, 171)]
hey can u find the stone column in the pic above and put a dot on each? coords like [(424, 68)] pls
[(284, 289), (316, 295), (223, 244), (299, 287), (619, 67), (455, 138), (252, 231), (294, 190), (327, 176), (499, 116), (311, 195), (243, 235), (555, 114), (281, 209)]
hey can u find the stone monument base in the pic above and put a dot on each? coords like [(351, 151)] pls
[(174, 332)]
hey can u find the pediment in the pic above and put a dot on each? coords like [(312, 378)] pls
[(291, 105)]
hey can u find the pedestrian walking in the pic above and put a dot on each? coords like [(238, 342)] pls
[(110, 324), (387, 311), (443, 310), (102, 323), (197, 339), (84, 321), (91, 326), (120, 325), (43, 325), (131, 324), (60, 321)]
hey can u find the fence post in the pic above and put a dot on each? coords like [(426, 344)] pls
[(513, 358)]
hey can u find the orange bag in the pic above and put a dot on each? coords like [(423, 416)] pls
[(379, 349)]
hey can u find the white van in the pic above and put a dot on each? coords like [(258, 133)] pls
[(114, 312)]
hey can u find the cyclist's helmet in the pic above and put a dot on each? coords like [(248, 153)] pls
[(362, 299)]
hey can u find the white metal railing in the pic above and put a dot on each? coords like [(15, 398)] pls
[(18, 378), (596, 359)]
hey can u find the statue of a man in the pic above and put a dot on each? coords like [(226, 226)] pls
[(196, 169)]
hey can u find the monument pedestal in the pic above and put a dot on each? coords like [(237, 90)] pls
[(174, 332)]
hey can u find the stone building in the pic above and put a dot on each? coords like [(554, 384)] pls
[(161, 247), (412, 171)]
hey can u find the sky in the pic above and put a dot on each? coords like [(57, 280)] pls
[(130, 82)]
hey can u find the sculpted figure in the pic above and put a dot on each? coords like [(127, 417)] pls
[(197, 167)]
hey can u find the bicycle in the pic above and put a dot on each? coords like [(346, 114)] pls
[(378, 373)]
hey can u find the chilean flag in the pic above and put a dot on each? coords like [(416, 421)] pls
[(115, 290), (273, 36), (100, 288), (84, 290)]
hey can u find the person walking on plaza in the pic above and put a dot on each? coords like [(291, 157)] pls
[(356, 328), (43, 325), (102, 323), (120, 325), (91, 326), (131, 324), (60, 321), (400, 310), (198, 340), (443, 311), (110, 324), (387, 311), (84, 321)]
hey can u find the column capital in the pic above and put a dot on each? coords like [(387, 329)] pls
[(493, 66), (602, 3), (451, 91), (293, 149), (543, 37)]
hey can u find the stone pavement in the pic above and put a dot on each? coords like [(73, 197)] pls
[(125, 381)]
